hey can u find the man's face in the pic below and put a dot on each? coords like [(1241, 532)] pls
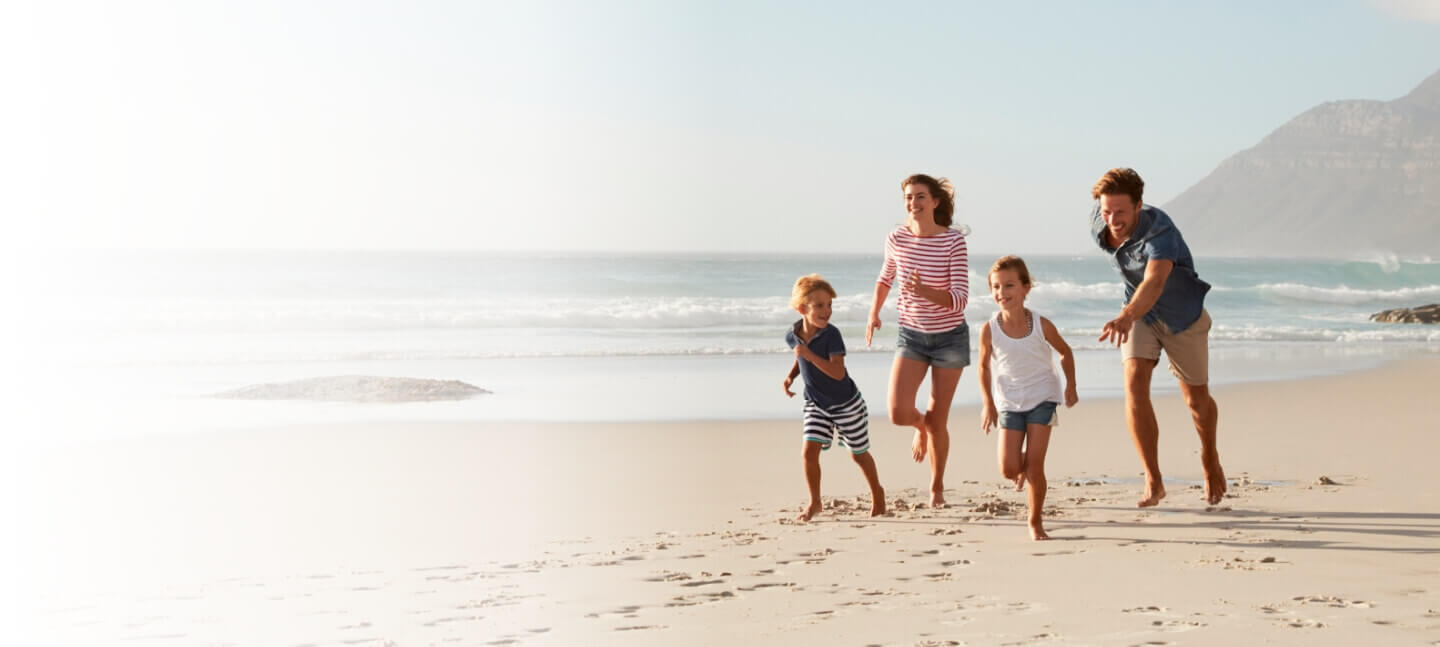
[(1120, 214)]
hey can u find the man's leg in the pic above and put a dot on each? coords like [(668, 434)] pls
[(1144, 429), (1207, 416)]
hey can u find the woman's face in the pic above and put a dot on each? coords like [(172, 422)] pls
[(918, 201)]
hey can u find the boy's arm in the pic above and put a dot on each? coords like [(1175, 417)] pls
[(790, 379), (988, 415), (834, 365), (1067, 359)]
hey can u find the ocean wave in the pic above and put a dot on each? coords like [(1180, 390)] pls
[(1343, 295)]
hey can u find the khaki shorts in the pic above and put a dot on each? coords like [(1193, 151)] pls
[(1189, 351)]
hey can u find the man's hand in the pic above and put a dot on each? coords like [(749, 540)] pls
[(1117, 329)]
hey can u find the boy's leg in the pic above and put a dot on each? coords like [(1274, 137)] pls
[(810, 454), (872, 477), (942, 390), (1037, 442), (905, 378)]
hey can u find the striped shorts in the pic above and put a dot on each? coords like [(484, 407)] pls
[(851, 420)]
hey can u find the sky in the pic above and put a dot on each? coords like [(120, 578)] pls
[(646, 126)]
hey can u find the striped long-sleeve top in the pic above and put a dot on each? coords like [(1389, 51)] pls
[(943, 262)]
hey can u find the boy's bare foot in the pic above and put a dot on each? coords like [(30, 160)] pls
[(877, 508), (1153, 493), (937, 500), (1215, 485), (1037, 531), (810, 511), (919, 445)]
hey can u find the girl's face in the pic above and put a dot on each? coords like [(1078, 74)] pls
[(1008, 291), (918, 201)]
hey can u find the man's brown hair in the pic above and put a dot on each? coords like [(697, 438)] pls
[(1119, 181)]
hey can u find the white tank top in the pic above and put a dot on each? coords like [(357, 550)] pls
[(1024, 368)]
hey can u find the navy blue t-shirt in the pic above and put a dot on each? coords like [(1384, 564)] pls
[(1156, 238), (820, 388)]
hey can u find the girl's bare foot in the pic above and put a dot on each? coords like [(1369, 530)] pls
[(1037, 531), (813, 509), (1020, 482)]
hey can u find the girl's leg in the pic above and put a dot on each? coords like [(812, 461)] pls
[(1037, 441), (810, 454), (942, 390), (877, 493), (905, 378), (1012, 455)]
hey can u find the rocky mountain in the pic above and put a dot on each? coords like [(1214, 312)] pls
[(1344, 179)]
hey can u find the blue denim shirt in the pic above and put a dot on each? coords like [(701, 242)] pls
[(1156, 238)]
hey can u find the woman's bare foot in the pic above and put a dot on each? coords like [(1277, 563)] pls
[(919, 445), (937, 500), (1037, 531), (810, 511), (1153, 493)]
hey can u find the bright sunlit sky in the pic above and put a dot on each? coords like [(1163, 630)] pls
[(646, 126)]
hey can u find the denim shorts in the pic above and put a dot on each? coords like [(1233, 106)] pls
[(1041, 415), (949, 349)]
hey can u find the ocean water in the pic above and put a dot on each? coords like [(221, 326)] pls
[(142, 340)]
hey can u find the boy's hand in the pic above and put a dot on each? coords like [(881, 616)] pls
[(788, 381), (1071, 397), (803, 351), (988, 418)]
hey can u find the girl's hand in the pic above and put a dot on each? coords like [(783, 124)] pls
[(1071, 397), (988, 418), (872, 326)]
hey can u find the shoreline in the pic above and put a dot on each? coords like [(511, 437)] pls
[(658, 533)]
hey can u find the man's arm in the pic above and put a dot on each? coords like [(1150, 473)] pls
[(1157, 271)]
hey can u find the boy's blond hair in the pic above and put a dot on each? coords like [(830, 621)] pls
[(807, 284)]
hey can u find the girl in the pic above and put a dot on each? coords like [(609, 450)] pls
[(931, 261), (1024, 383)]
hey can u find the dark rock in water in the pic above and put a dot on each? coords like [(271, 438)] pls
[(358, 388), (1420, 314)]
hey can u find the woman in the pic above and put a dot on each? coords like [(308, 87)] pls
[(932, 264)]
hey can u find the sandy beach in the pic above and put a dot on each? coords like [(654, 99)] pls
[(681, 534)]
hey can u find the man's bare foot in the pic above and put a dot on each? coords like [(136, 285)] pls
[(813, 509), (919, 445), (937, 500), (1037, 531), (1215, 485), (1153, 493)]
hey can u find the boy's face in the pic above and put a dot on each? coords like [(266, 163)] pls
[(1008, 291), (815, 308)]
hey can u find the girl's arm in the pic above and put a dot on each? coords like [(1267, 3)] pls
[(988, 415), (834, 365), (881, 291), (1067, 359)]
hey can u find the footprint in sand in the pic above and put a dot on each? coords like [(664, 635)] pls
[(1333, 601)]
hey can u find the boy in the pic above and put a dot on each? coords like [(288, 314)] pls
[(832, 401)]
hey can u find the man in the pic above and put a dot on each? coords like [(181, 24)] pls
[(1164, 310)]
